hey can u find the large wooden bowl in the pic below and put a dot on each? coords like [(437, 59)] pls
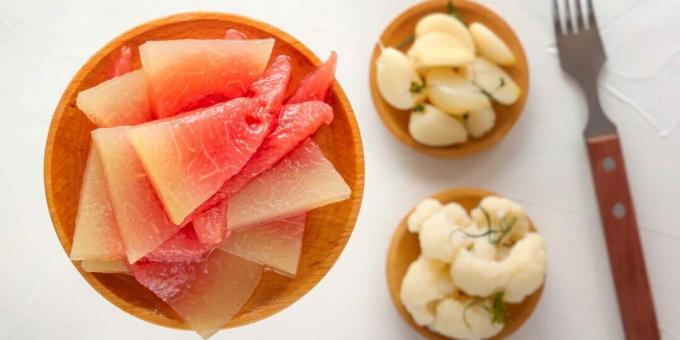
[(405, 248), (328, 228), (402, 27)]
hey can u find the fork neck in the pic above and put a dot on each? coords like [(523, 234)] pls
[(598, 124)]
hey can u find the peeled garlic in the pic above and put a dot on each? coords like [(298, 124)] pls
[(395, 74), (440, 22), (479, 122), (490, 46), (439, 49), (433, 127), (453, 92), (495, 81)]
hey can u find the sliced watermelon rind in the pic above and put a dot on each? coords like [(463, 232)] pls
[(96, 235)]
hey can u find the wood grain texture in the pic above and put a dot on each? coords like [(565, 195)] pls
[(626, 256), (405, 248), (403, 27), (328, 228)]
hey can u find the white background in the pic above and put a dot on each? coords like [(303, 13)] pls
[(542, 164)]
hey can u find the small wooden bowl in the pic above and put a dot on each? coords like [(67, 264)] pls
[(405, 248), (403, 27), (328, 228)]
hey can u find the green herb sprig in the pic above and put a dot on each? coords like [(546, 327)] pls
[(503, 230), (416, 88), (407, 41), (418, 108), (499, 314), (453, 11)]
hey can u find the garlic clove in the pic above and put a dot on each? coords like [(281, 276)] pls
[(434, 49), (495, 81), (490, 46), (479, 122), (453, 92), (444, 23), (433, 127), (395, 74)]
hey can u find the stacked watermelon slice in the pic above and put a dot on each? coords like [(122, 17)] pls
[(201, 172)]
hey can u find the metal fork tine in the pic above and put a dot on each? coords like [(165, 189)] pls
[(578, 17), (591, 15), (556, 16), (567, 12)]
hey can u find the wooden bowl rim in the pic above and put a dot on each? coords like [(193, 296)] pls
[(530, 302), (115, 43), (465, 149)]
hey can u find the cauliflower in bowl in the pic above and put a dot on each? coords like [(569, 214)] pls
[(471, 266), (426, 282)]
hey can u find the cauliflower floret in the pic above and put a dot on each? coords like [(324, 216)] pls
[(425, 283), (482, 249), (478, 275), (526, 264), (422, 211), (503, 214), (455, 321), (477, 272), (439, 239)]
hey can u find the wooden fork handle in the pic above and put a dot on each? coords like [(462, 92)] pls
[(623, 240)]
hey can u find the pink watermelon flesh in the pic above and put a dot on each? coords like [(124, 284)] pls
[(300, 182), (142, 222), (205, 294), (182, 72), (122, 63), (183, 247), (215, 98), (315, 86), (295, 123), (276, 245), (119, 101), (96, 236), (271, 87), (190, 156), (233, 34), (105, 266), (211, 225)]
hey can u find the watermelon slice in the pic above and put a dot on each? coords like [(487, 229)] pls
[(205, 294), (142, 222), (233, 34), (276, 245), (183, 247), (272, 86), (105, 267), (119, 101), (189, 157), (300, 182), (122, 63), (182, 72), (295, 123), (96, 236), (315, 85)]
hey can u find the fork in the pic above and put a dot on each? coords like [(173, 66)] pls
[(581, 56)]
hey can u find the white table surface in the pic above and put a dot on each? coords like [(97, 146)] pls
[(542, 164)]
